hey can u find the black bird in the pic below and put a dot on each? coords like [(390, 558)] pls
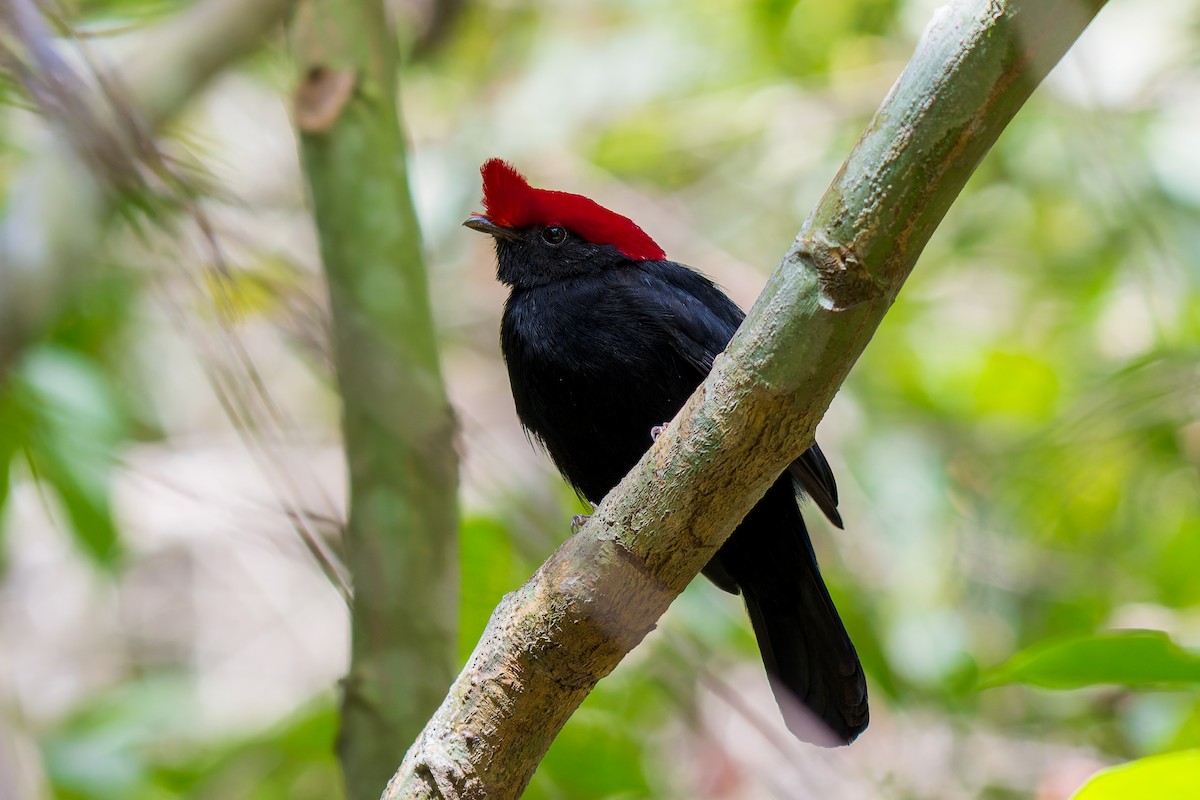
[(604, 339)]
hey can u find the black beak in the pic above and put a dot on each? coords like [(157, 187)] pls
[(478, 222)]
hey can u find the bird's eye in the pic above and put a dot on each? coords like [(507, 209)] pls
[(554, 235)]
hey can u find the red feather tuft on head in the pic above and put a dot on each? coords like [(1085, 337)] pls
[(511, 202)]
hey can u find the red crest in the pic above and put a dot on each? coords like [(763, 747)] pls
[(511, 202)]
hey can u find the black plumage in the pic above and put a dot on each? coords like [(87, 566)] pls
[(600, 348)]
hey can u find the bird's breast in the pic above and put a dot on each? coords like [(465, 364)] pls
[(590, 382)]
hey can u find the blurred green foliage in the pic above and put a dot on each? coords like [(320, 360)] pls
[(65, 410), (1137, 659), (136, 743), (1172, 775), (1017, 449)]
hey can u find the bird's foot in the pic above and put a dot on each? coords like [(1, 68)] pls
[(578, 520), (657, 431)]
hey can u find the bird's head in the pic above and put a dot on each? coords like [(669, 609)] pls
[(544, 236)]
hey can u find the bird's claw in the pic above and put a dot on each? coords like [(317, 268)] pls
[(657, 431), (578, 520)]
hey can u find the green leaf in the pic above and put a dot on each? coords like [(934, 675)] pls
[(1136, 658), (72, 425), (1166, 776), (10, 421)]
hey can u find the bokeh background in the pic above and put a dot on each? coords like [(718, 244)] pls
[(1017, 449)]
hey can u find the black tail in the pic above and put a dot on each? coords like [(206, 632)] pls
[(810, 660)]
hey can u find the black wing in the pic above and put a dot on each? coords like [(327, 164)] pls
[(699, 320), (812, 474)]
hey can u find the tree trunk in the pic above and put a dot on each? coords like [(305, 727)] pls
[(397, 424)]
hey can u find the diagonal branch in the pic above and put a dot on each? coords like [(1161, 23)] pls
[(598, 595)]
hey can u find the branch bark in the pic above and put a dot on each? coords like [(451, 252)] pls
[(596, 597), (398, 427)]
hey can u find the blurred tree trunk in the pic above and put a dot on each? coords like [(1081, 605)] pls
[(548, 644), (397, 424)]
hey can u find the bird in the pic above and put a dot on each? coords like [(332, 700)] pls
[(604, 339)]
